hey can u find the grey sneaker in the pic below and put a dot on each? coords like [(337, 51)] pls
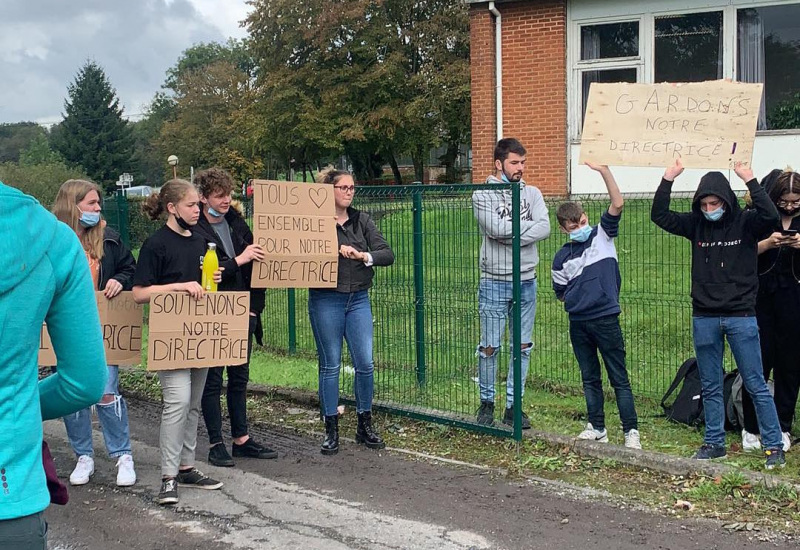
[(169, 492), (775, 459), (486, 413), (710, 452), (197, 479)]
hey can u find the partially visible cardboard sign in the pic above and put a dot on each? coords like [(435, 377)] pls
[(121, 325), (188, 333), (295, 223), (705, 124)]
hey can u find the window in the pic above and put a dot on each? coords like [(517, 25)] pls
[(768, 46), (688, 48), (609, 53)]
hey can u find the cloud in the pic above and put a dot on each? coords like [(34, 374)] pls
[(43, 44)]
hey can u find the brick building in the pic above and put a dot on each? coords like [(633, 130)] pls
[(552, 50)]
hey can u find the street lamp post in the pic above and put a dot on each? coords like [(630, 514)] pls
[(172, 160)]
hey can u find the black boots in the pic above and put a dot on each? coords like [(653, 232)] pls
[(331, 444), (365, 434)]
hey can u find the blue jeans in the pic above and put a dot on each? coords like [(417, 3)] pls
[(709, 340), (603, 335), (336, 316), (495, 299), (113, 420)]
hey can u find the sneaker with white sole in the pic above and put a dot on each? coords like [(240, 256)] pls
[(632, 440), (787, 442), (750, 442), (126, 475), (594, 435), (83, 471)]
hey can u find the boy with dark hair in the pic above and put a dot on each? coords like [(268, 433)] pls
[(222, 224), (493, 209), (724, 287), (586, 278)]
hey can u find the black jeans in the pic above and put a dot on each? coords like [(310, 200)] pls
[(238, 376), (603, 335), (25, 533)]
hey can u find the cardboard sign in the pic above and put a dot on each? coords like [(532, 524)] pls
[(296, 225), (705, 124), (121, 325), (188, 333)]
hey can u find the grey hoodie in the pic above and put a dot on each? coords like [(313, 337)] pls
[(493, 209)]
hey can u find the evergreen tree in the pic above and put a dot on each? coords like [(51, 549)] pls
[(93, 134)]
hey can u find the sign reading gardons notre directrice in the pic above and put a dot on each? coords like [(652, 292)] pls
[(705, 124), (295, 223)]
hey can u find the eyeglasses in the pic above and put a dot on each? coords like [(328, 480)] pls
[(346, 188), (783, 203)]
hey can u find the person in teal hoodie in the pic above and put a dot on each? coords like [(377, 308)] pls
[(45, 279)]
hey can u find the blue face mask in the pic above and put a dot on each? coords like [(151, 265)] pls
[(714, 215), (214, 213), (503, 178), (89, 219), (581, 234)]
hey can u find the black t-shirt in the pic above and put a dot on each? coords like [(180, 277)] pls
[(167, 257)]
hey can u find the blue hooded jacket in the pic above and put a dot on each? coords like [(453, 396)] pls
[(45, 277)]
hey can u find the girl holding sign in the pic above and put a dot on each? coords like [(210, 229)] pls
[(112, 266), (345, 313), (170, 261)]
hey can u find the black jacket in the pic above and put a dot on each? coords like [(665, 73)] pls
[(234, 277), (725, 252), (360, 232), (117, 262)]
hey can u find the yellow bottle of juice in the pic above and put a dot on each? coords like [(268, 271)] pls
[(210, 265)]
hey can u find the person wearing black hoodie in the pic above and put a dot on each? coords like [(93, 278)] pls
[(222, 224), (724, 287)]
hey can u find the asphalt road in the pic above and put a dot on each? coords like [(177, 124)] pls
[(358, 499)]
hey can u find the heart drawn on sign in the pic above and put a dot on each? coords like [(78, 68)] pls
[(318, 196)]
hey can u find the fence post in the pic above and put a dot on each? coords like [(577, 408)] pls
[(419, 287), (516, 310), (122, 213), (292, 316)]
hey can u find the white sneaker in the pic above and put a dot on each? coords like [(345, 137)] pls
[(83, 471), (594, 435), (126, 475), (787, 441), (632, 440), (750, 442)]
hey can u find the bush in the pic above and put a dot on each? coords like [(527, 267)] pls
[(41, 181)]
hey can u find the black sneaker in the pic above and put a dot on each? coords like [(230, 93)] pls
[(709, 452), (218, 456), (508, 419), (775, 459), (197, 479), (251, 449), (168, 493), (486, 413)]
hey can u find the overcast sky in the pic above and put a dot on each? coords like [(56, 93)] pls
[(43, 43)]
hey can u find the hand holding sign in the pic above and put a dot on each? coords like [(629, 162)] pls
[(744, 171)]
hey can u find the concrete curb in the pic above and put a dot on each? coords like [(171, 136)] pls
[(651, 460)]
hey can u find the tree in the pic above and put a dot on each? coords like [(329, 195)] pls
[(93, 133), (16, 137)]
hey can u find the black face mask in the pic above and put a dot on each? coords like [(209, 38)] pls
[(787, 212), (182, 223)]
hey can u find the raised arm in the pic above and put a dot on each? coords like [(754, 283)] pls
[(763, 216), (677, 223), (614, 194)]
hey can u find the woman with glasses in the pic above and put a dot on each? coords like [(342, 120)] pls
[(778, 306), (345, 313)]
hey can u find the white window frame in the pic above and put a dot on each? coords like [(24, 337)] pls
[(644, 62)]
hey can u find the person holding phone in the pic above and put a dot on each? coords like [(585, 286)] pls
[(778, 307)]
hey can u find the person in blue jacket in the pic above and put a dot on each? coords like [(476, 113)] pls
[(45, 279)]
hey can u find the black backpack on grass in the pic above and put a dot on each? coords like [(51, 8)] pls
[(688, 405)]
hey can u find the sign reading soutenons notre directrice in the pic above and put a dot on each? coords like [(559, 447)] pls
[(188, 333), (295, 223), (121, 324), (705, 124)]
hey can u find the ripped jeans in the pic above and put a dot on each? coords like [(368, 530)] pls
[(495, 299), (113, 420)]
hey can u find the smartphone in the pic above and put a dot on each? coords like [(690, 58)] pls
[(789, 232)]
